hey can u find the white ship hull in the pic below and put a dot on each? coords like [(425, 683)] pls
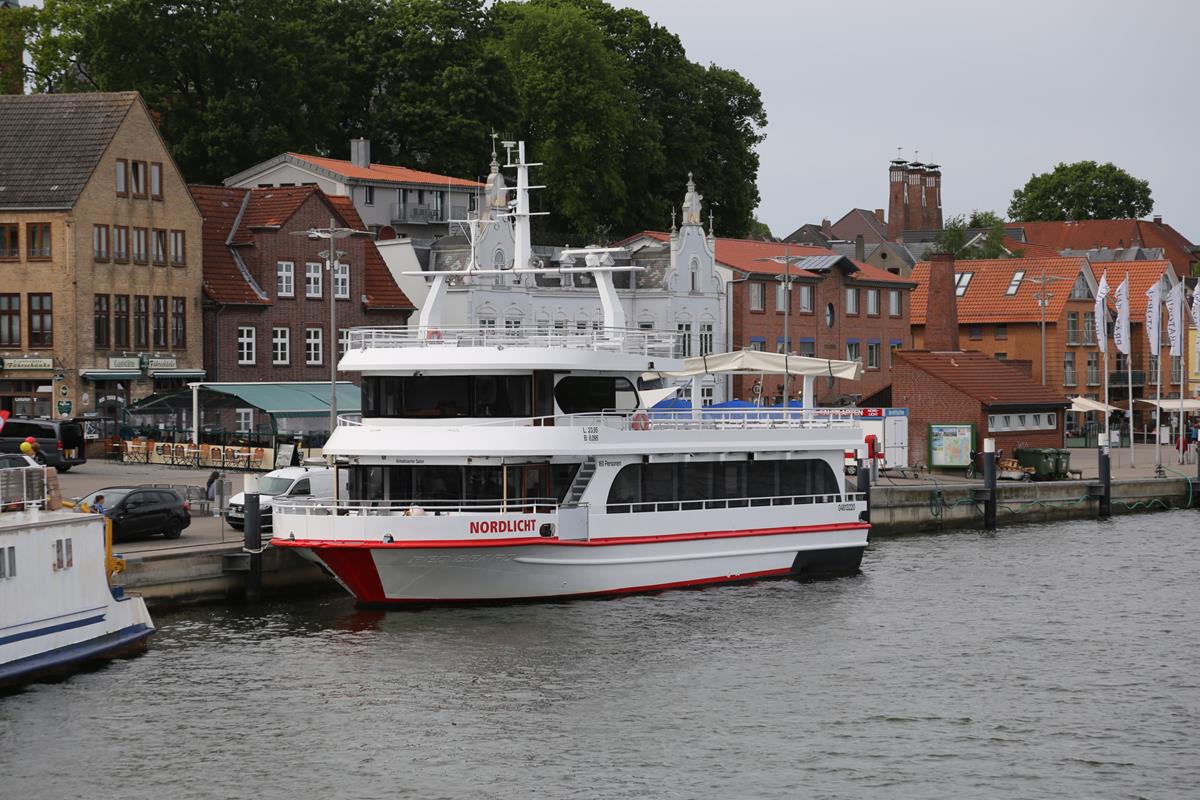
[(526, 569)]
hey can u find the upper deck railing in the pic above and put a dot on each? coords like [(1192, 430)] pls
[(683, 420), (660, 344)]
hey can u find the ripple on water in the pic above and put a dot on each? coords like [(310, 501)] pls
[(1047, 661)]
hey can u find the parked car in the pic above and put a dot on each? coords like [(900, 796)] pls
[(289, 482), (60, 441), (17, 461), (140, 511)]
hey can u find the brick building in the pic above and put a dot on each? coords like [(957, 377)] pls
[(840, 309), (914, 197), (267, 292), (999, 313), (99, 245), (1116, 234)]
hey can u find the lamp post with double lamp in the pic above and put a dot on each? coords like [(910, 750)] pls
[(332, 265), (1043, 298), (787, 261)]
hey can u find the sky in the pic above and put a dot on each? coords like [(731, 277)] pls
[(994, 92)]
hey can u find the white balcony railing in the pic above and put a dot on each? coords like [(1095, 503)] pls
[(663, 344)]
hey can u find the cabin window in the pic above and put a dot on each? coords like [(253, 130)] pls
[(486, 485), (8, 562), (696, 485), (441, 396), (585, 394)]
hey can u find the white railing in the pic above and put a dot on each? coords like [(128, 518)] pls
[(733, 502), (682, 420), (414, 508), (22, 488), (662, 344)]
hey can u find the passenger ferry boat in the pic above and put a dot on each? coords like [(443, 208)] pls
[(57, 609), (525, 463)]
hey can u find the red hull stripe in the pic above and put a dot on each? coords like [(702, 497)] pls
[(356, 568), (654, 587), (339, 544)]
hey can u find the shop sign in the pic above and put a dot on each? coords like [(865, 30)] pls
[(28, 363), (161, 363), (64, 408), (124, 362)]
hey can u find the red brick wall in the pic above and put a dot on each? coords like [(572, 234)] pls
[(295, 313), (941, 326), (931, 401), (897, 177), (830, 341)]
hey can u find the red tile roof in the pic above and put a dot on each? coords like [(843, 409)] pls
[(384, 172), (744, 255), (986, 298), (271, 208), (224, 280), (381, 290), (1142, 274), (1028, 249), (978, 375), (1089, 233)]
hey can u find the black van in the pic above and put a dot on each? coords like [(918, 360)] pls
[(60, 441)]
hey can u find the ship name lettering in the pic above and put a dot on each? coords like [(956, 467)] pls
[(504, 526)]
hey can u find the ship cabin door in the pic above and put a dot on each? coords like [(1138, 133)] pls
[(529, 486)]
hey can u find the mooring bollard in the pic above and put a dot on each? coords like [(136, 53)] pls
[(1105, 478), (864, 486), (252, 543), (989, 484)]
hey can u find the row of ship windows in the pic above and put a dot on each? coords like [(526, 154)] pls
[(444, 396), (642, 487)]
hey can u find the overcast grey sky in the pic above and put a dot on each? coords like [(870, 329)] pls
[(993, 91)]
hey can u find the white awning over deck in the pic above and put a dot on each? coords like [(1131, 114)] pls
[(753, 362)]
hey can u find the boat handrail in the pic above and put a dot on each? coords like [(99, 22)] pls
[(22, 488), (662, 344), (416, 507), (678, 420)]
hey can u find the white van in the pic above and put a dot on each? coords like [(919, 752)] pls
[(287, 482)]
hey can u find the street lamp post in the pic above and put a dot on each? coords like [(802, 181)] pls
[(332, 265), (787, 307), (1043, 298)]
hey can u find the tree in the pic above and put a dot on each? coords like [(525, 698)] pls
[(979, 236), (760, 230), (1083, 190)]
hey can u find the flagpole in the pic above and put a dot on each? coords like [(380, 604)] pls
[(1158, 400), (1129, 369), (1183, 325)]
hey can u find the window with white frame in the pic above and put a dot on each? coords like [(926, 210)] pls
[(757, 296), (312, 279), (1034, 421), (961, 281), (343, 341), (341, 282), (488, 323), (244, 420), (873, 355), (780, 296), (806, 297), (369, 195), (873, 302), (246, 345), (894, 302), (281, 345), (314, 345), (853, 352), (685, 336), (851, 300), (285, 279), (706, 338), (707, 395)]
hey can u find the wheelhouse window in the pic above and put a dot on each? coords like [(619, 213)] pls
[(441, 396), (587, 394)]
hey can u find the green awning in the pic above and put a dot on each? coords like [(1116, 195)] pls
[(291, 399)]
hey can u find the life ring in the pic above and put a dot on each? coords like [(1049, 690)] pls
[(433, 335), (640, 422)]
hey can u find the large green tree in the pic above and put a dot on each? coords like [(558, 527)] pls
[(981, 235), (1083, 190)]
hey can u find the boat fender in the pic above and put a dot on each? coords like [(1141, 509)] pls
[(640, 422)]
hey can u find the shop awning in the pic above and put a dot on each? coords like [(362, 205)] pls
[(291, 399), (111, 374), (178, 373), (1084, 405), (1187, 404)]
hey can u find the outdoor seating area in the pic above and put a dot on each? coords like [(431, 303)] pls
[(175, 454)]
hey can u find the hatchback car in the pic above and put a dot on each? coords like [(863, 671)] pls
[(139, 511)]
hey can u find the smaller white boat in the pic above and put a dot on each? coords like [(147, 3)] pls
[(58, 610)]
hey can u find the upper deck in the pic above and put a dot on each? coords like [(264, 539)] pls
[(536, 347)]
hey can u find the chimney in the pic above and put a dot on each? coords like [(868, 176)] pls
[(897, 197), (1158, 219), (941, 315), (860, 248), (827, 228), (360, 153), (879, 216)]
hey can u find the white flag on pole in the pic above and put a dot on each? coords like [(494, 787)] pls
[(1196, 319), (1121, 331), (1175, 319), (1101, 314), (1154, 315)]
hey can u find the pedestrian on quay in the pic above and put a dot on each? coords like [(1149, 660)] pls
[(210, 488)]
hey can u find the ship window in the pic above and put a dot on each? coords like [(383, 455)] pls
[(8, 567), (583, 394), (451, 483), (438, 396), (698, 484)]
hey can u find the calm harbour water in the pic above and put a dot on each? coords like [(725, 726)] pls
[(1045, 661)]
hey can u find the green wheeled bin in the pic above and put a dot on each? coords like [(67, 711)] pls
[(1062, 464), (1044, 461)]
